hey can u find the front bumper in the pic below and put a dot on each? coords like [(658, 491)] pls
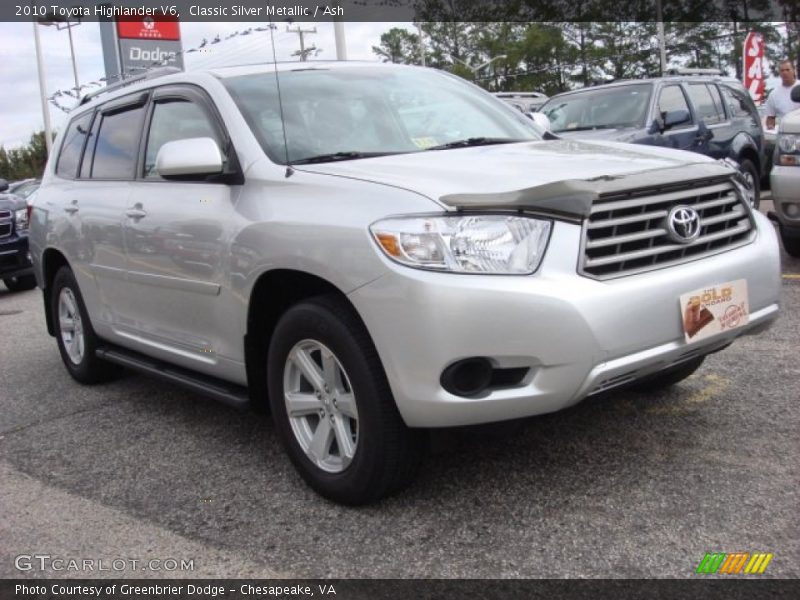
[(577, 336), (785, 186), (15, 260)]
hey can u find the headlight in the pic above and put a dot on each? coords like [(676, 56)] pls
[(497, 244), (21, 217), (788, 143)]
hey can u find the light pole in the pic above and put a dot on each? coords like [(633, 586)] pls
[(68, 26), (42, 90)]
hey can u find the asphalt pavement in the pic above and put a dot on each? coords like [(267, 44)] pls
[(629, 485)]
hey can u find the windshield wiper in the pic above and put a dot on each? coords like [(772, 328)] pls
[(474, 141), (335, 156), (586, 128)]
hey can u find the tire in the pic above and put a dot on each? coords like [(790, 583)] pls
[(669, 377), (77, 344), (368, 453), (20, 284), (791, 244), (750, 173)]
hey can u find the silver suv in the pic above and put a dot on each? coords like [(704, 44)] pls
[(372, 250)]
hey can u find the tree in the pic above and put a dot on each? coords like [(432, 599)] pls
[(398, 46), (25, 162)]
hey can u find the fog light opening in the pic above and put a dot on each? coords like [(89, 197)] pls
[(467, 377)]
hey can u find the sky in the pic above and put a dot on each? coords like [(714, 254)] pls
[(20, 104)]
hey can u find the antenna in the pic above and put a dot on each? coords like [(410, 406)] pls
[(289, 170)]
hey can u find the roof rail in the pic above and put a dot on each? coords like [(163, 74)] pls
[(149, 74), (685, 71)]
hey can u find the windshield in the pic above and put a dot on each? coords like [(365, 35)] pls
[(354, 112), (623, 106)]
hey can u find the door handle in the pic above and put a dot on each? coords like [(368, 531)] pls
[(72, 207), (136, 212)]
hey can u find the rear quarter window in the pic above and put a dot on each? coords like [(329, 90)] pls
[(72, 147)]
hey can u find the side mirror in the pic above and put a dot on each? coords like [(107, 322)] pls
[(795, 94), (3, 185), (676, 117), (656, 126), (189, 157), (541, 120)]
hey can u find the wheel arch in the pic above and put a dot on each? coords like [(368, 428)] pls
[(52, 261), (273, 293)]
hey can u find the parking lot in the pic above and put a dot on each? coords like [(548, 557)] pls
[(628, 485)]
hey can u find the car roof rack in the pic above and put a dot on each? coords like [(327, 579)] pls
[(686, 71), (149, 74)]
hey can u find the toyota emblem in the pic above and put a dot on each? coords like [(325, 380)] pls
[(683, 224)]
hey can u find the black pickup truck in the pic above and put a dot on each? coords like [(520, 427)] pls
[(15, 261)]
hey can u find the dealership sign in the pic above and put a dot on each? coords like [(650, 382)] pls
[(133, 45), (753, 56)]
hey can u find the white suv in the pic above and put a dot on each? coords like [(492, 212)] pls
[(785, 179), (373, 250)]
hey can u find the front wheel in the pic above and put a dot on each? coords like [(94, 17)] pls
[(750, 174), (20, 284), (333, 408)]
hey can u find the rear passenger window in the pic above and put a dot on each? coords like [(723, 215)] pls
[(71, 149), (707, 110), (175, 120), (118, 144)]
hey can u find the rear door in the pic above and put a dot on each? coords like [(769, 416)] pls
[(176, 234), (714, 133)]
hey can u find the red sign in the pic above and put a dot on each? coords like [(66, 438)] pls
[(753, 55), (149, 29)]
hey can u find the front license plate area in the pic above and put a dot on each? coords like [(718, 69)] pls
[(714, 309)]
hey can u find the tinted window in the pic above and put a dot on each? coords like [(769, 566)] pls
[(738, 106), (707, 110), (76, 135), (715, 95), (118, 145), (175, 120), (672, 98)]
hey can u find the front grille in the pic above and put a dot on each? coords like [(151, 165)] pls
[(627, 232), (5, 223)]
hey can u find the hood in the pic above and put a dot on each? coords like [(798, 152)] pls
[(558, 176), (11, 202)]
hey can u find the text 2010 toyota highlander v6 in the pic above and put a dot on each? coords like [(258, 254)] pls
[(374, 250)]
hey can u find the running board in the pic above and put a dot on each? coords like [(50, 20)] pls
[(229, 393)]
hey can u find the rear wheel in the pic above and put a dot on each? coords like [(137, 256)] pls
[(753, 182), (76, 339), (333, 408), (20, 284), (669, 377)]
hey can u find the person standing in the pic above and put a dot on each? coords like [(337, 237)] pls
[(779, 102)]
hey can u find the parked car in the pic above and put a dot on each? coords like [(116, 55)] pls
[(526, 102), (384, 249), (785, 179), (16, 270), (710, 115)]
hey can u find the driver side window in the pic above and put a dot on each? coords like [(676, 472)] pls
[(673, 98), (173, 120)]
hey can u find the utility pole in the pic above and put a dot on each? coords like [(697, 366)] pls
[(421, 41), (303, 52), (661, 42)]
